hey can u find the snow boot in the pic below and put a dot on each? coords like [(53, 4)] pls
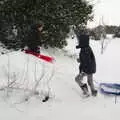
[(94, 92), (85, 90), (46, 99)]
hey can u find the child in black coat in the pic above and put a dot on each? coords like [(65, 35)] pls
[(33, 38), (87, 65)]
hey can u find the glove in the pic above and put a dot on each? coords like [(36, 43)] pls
[(77, 47), (78, 60)]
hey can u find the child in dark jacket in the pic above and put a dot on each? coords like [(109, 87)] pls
[(33, 38), (87, 65)]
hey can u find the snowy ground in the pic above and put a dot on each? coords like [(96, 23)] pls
[(66, 102)]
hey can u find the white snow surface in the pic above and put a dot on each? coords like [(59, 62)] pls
[(66, 101)]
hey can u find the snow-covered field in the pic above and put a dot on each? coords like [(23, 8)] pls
[(65, 101)]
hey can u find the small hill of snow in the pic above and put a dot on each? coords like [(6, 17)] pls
[(66, 102)]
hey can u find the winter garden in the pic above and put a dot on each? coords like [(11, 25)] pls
[(41, 86)]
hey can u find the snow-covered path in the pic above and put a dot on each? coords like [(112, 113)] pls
[(67, 103)]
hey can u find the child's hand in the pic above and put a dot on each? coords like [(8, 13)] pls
[(77, 47), (78, 60)]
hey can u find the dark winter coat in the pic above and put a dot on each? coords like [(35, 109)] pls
[(33, 38), (86, 56), (87, 61)]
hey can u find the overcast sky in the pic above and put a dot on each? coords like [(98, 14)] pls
[(109, 10)]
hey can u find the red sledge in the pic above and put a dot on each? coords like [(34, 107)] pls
[(43, 57)]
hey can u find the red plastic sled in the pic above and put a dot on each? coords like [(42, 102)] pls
[(43, 57)]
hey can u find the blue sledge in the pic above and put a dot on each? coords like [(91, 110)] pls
[(110, 88)]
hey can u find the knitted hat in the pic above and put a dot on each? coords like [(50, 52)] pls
[(83, 40)]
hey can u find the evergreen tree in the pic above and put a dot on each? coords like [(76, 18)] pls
[(110, 29), (57, 16), (117, 32)]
